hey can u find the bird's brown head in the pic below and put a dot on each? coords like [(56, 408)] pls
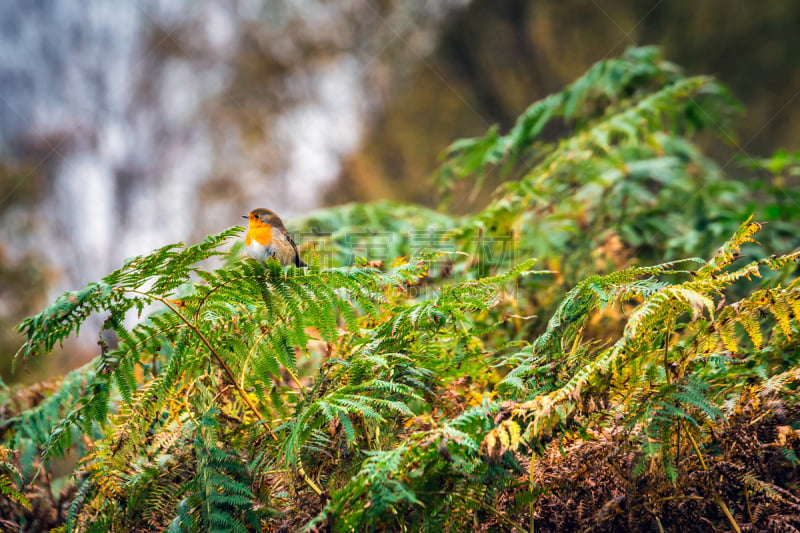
[(263, 217)]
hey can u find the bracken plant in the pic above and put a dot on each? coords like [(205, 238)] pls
[(643, 379)]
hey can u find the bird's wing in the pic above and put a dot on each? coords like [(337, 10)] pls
[(297, 261)]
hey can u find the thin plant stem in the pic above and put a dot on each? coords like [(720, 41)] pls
[(717, 497), (229, 372), (211, 349), (531, 487)]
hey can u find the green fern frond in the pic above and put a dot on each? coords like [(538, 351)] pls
[(597, 292), (607, 81), (10, 478), (730, 251), (166, 268), (218, 500)]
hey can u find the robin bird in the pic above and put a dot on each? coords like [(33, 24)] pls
[(267, 237)]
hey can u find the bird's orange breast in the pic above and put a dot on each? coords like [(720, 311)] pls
[(260, 234)]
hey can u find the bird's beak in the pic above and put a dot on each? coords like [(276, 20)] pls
[(245, 216)]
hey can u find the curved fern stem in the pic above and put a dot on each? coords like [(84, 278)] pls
[(294, 378), (230, 374), (531, 486), (717, 498), (214, 352), (308, 480), (747, 506), (575, 343), (289, 371), (666, 348)]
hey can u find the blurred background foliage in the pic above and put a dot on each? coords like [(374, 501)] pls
[(436, 74), (496, 57)]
